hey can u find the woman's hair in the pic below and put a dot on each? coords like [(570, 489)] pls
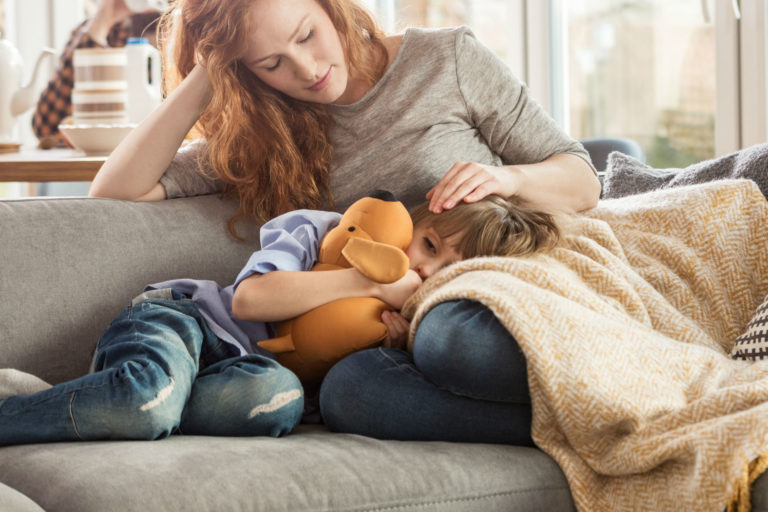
[(271, 151), (493, 226)]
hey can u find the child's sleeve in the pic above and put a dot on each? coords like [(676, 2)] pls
[(289, 242)]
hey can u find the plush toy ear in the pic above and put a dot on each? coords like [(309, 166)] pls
[(378, 262)]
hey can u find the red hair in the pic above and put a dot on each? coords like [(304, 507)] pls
[(271, 151)]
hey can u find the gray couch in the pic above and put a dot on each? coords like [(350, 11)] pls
[(69, 265)]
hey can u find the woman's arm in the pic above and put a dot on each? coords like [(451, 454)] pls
[(541, 163), (562, 182), (134, 168), (281, 295)]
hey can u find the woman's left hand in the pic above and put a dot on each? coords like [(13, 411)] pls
[(470, 182), (397, 329)]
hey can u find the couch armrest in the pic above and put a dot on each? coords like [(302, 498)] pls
[(69, 265)]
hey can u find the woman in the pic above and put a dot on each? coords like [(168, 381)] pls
[(307, 104)]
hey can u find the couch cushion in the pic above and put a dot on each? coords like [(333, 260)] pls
[(71, 264), (626, 175), (13, 500), (310, 470)]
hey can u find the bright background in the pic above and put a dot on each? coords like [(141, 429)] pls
[(685, 78)]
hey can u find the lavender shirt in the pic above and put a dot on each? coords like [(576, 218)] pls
[(288, 242)]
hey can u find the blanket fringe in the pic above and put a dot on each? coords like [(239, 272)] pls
[(740, 501)]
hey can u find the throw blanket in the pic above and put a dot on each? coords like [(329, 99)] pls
[(626, 328)]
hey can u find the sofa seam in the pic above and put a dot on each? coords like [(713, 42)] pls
[(453, 500)]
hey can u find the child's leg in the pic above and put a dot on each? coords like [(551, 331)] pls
[(144, 366), (465, 382), (461, 347), (251, 395)]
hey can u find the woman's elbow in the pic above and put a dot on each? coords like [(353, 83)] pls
[(98, 190), (590, 187), (109, 189), (594, 189), (156, 193)]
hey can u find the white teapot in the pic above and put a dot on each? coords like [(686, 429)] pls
[(15, 99)]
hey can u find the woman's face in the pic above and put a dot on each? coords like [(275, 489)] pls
[(295, 49)]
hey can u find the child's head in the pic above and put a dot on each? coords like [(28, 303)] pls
[(492, 226)]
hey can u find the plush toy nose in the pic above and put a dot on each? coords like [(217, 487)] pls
[(384, 195)]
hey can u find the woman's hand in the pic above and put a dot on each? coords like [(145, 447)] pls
[(470, 182), (395, 294), (397, 329)]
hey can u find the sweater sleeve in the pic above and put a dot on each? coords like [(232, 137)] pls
[(55, 102), (515, 126), (189, 173)]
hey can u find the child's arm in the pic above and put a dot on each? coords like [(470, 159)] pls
[(281, 295)]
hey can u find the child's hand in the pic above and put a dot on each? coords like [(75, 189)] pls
[(397, 329), (395, 294)]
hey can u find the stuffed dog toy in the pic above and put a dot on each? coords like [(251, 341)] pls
[(372, 236)]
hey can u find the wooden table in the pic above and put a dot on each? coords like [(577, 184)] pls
[(40, 165)]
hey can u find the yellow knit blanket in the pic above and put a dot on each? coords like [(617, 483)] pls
[(626, 329)]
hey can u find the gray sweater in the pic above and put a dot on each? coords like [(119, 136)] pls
[(446, 98)]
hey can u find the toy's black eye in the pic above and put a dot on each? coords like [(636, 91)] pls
[(351, 228)]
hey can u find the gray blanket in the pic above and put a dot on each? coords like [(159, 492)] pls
[(626, 175)]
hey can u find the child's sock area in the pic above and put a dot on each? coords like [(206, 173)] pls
[(15, 382)]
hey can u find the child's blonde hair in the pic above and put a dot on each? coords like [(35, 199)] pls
[(493, 226)]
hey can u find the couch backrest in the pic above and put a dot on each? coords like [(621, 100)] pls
[(69, 265)]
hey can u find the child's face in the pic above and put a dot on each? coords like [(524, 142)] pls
[(429, 252)]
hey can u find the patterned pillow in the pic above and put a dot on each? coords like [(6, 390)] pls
[(753, 344)]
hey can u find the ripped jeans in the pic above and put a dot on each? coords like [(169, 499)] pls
[(158, 369)]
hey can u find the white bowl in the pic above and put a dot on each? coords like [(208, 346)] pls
[(95, 139)]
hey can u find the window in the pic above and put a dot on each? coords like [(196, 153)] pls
[(31, 25), (643, 70), (90, 6), (497, 23), (685, 78)]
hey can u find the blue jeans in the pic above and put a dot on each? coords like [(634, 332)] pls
[(158, 369), (466, 381)]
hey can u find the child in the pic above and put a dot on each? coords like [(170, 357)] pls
[(182, 357), (492, 226)]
